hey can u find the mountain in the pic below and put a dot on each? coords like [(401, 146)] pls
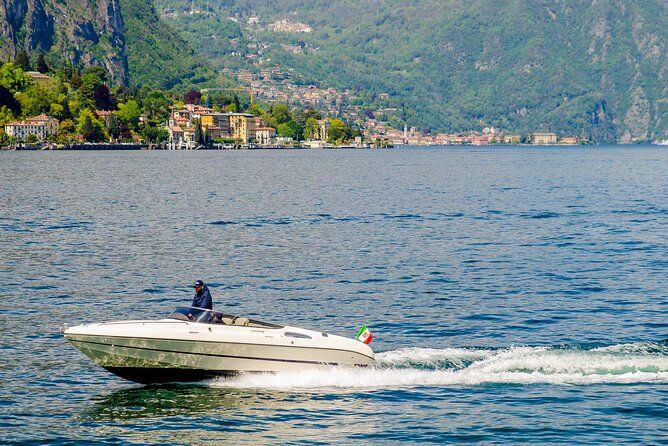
[(126, 37), (580, 67), (83, 32), (157, 55)]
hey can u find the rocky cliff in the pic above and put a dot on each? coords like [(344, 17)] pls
[(84, 32)]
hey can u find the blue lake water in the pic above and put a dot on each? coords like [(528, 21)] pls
[(516, 295)]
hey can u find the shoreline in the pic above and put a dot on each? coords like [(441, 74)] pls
[(164, 147)]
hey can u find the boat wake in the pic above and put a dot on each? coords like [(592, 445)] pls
[(616, 364)]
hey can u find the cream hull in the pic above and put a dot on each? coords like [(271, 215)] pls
[(169, 350)]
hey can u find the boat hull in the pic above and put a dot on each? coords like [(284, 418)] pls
[(149, 375), (182, 353)]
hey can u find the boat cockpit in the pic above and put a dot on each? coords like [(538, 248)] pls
[(204, 316)]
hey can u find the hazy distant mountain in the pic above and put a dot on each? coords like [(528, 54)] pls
[(578, 67)]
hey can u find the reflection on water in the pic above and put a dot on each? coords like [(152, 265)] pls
[(200, 414)]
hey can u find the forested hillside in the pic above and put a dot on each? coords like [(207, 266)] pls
[(589, 68), (158, 56), (582, 67), (126, 37)]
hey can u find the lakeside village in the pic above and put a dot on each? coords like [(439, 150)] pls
[(70, 108)]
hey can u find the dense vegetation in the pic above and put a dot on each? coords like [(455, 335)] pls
[(73, 96), (157, 55), (88, 110), (593, 69)]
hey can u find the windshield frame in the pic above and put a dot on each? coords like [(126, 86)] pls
[(214, 317)]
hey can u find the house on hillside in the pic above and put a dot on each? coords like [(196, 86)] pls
[(38, 77)]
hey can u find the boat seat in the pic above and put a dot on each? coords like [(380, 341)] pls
[(242, 321), (226, 320), (179, 317)]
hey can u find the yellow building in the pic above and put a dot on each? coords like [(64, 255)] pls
[(569, 140), (218, 120), (216, 125), (544, 138), (242, 127)]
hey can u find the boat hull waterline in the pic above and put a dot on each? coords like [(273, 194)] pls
[(180, 351)]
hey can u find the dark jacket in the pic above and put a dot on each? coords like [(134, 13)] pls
[(203, 299)]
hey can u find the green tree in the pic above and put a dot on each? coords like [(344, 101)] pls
[(37, 99), (22, 60), (91, 79), (8, 101), (90, 128), (114, 127), (156, 105), (337, 131), (290, 129), (6, 115), (57, 111), (301, 116), (199, 133), (32, 139), (154, 134), (41, 65), (75, 78), (13, 78), (67, 127), (280, 113), (129, 113), (526, 138), (256, 110), (311, 128), (60, 109)]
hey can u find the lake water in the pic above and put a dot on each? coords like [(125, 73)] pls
[(515, 294)]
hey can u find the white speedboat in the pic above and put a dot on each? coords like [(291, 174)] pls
[(193, 344)]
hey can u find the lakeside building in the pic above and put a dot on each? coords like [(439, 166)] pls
[(216, 125), (41, 126), (544, 138), (265, 136), (242, 127), (569, 140)]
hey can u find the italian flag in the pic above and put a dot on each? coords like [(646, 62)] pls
[(364, 335)]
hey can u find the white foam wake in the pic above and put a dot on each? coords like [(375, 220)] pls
[(465, 367)]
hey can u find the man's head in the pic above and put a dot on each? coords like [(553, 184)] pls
[(198, 285)]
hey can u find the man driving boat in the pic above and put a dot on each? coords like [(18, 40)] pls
[(202, 297)]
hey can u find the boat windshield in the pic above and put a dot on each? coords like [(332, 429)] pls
[(203, 316)]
